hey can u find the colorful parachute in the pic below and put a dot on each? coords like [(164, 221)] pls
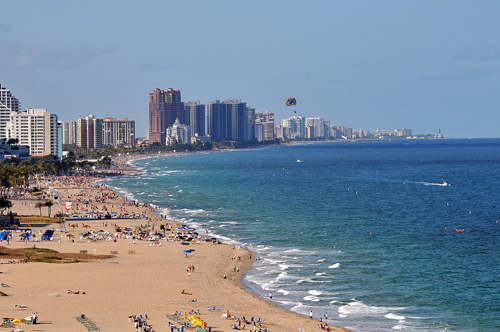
[(291, 102)]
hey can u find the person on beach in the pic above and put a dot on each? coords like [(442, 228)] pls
[(311, 314), (271, 296)]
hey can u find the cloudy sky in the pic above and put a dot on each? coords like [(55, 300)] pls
[(424, 65)]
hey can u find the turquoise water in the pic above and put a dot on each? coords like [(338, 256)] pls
[(362, 230)]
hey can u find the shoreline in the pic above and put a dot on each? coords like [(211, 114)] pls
[(207, 286)]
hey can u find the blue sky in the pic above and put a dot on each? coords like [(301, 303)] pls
[(424, 65)]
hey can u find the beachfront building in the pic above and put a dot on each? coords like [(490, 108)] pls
[(8, 105), (89, 132), (267, 119), (165, 106), (294, 127), (318, 125), (178, 133), (195, 114), (118, 132), (339, 132), (228, 120), (37, 129), (69, 132)]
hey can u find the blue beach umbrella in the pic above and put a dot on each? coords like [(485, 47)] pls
[(189, 250)]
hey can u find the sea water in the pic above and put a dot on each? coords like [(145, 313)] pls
[(364, 231)]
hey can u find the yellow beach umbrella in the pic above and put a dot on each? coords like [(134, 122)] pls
[(194, 317), (200, 322), (184, 315), (18, 320)]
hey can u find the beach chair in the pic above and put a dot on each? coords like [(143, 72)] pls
[(214, 309)]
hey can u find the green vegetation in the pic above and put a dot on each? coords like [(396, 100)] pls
[(44, 255)]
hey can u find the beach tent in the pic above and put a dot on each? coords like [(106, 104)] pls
[(48, 234)]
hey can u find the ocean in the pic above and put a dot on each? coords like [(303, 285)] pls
[(364, 231)]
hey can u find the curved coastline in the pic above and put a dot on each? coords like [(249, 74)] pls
[(156, 275)]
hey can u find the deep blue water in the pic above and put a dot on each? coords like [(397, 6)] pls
[(362, 230)]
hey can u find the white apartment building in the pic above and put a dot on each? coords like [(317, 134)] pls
[(117, 132), (318, 124), (69, 132), (37, 129), (178, 132), (8, 104)]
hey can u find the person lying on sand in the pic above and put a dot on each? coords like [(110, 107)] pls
[(185, 293)]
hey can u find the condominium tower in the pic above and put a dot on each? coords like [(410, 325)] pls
[(8, 104), (89, 132), (37, 129), (195, 112), (69, 132), (117, 132), (228, 120), (165, 106)]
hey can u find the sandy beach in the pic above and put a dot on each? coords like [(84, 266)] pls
[(147, 275)]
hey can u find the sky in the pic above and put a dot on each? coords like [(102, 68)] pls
[(422, 65)]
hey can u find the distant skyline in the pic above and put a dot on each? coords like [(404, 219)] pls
[(423, 65)]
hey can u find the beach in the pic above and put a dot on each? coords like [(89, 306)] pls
[(147, 275)]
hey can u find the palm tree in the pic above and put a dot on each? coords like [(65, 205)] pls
[(39, 205), (48, 204), (4, 205)]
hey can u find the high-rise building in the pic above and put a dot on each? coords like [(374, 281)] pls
[(8, 104), (89, 132), (319, 126), (227, 120), (195, 114), (295, 127), (37, 129), (268, 120), (69, 132), (178, 133), (165, 106), (117, 132)]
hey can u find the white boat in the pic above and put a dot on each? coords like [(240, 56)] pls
[(445, 183)]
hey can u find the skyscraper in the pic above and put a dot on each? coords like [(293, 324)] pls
[(164, 108), (267, 119), (195, 112), (69, 132), (37, 129), (8, 104), (116, 132), (227, 120), (89, 132)]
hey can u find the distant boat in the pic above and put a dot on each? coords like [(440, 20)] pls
[(445, 183), (298, 161), (460, 230)]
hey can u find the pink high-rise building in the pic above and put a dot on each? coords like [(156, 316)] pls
[(165, 106)]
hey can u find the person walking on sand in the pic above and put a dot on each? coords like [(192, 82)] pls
[(271, 296), (326, 316), (311, 314)]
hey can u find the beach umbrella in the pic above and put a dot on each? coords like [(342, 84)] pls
[(18, 320), (189, 250), (194, 317), (73, 225), (70, 236), (86, 226), (184, 315)]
